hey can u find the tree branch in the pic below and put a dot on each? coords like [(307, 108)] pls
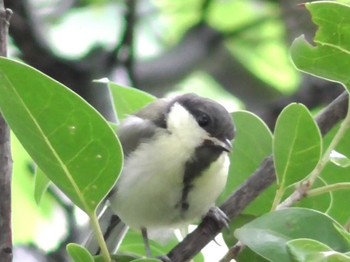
[(124, 51), (263, 178), (6, 251)]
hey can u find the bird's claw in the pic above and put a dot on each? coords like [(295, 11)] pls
[(219, 217)]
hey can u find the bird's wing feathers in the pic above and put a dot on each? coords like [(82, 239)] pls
[(142, 126), (133, 131)]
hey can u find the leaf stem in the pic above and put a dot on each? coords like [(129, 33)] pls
[(328, 188), (99, 235), (278, 197), (335, 141)]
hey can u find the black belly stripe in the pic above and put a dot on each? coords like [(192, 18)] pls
[(203, 156)]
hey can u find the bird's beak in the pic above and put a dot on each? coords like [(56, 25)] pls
[(225, 145)]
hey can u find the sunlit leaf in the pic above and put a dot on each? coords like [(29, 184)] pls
[(118, 257), (73, 145), (79, 253), (339, 159), (128, 100), (41, 184), (296, 146)]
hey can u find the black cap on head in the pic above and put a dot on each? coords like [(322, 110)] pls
[(210, 115)]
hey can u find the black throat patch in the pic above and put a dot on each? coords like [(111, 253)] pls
[(203, 156)]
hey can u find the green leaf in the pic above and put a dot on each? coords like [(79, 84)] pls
[(41, 184), (330, 58), (268, 235), (252, 144), (128, 100), (248, 255), (334, 174), (65, 136), (343, 146), (339, 159), (304, 250), (228, 236), (296, 146), (119, 258), (79, 253), (133, 243), (343, 231)]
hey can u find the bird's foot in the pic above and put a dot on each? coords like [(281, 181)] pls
[(217, 215)]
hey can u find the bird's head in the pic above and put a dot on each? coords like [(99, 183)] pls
[(194, 117)]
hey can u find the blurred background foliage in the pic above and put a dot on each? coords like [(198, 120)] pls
[(234, 51)]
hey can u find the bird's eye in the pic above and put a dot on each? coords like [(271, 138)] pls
[(203, 119)]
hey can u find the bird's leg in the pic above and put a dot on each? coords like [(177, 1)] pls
[(148, 247), (146, 241)]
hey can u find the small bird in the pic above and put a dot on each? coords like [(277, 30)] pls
[(176, 164)]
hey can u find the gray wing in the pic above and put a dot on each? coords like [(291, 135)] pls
[(142, 126)]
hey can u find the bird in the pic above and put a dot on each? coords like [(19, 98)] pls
[(176, 165)]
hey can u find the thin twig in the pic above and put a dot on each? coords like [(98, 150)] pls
[(130, 19), (5, 157), (124, 51), (233, 252)]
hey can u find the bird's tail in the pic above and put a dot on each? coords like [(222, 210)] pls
[(113, 229)]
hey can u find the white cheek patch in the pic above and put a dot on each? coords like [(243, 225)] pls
[(182, 124)]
